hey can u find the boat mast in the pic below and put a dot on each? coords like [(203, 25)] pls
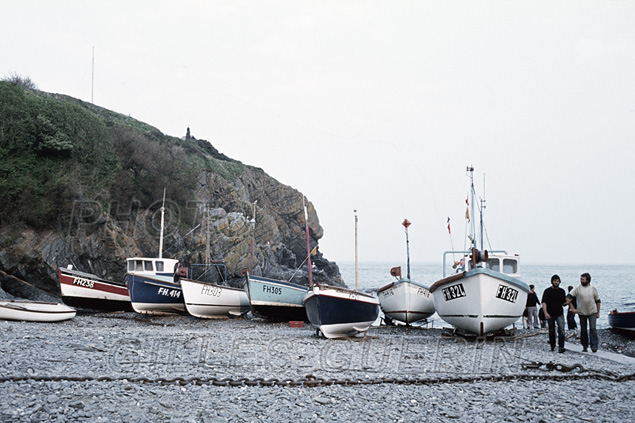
[(481, 208), (207, 244), (162, 223), (253, 238), (407, 223), (308, 246), (356, 266), (470, 170)]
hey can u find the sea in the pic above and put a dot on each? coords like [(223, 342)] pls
[(615, 283)]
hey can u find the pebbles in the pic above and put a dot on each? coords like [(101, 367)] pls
[(127, 346)]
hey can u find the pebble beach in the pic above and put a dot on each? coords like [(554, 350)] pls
[(126, 367)]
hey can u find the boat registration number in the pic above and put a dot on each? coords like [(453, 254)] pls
[(453, 292), (84, 282), (507, 293)]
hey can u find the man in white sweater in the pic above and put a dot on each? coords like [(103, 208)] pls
[(588, 308)]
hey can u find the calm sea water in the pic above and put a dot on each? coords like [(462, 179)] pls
[(615, 284)]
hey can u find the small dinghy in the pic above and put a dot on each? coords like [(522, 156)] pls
[(35, 311)]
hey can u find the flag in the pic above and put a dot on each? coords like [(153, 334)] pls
[(314, 251), (467, 214), (449, 231)]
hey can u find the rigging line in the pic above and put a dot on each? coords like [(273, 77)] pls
[(299, 267), (184, 236)]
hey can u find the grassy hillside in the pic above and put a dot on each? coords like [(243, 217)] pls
[(56, 150)]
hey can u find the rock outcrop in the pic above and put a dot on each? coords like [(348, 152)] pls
[(101, 201)]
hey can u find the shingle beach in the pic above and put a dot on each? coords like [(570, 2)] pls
[(125, 367)]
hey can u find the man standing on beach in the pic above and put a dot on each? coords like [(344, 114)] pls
[(552, 301), (588, 308), (570, 314), (532, 308)]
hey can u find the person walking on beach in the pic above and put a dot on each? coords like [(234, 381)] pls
[(532, 309), (541, 316), (588, 308), (553, 299), (570, 314)]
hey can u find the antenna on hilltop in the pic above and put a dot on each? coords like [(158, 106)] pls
[(92, 80)]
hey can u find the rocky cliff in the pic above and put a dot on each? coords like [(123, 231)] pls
[(72, 206)]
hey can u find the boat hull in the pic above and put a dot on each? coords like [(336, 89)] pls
[(85, 290), (276, 300), (406, 301), (212, 301), (480, 301), (340, 312), (155, 295), (35, 311), (623, 323)]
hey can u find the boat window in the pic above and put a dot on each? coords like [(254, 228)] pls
[(148, 266), (139, 265), (510, 266), (159, 265), (493, 264)]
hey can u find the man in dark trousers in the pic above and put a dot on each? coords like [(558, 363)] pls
[(532, 309), (553, 299), (588, 309)]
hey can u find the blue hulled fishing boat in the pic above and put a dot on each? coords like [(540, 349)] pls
[(335, 311)]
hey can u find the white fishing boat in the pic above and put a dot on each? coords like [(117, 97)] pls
[(339, 312), (35, 311), (210, 300), (405, 300), (487, 295)]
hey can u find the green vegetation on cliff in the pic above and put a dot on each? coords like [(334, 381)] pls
[(56, 150)]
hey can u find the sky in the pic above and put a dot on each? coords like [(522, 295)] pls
[(379, 107)]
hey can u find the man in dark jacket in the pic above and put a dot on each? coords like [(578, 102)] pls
[(553, 299), (532, 308)]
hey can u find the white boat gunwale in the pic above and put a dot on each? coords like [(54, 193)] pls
[(480, 270)]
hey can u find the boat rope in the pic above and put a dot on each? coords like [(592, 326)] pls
[(313, 381)]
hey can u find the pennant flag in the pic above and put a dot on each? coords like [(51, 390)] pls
[(449, 231), (467, 214), (314, 251)]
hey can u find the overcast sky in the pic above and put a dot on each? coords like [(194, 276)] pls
[(378, 106)]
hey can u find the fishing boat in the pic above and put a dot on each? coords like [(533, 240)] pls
[(275, 299), (338, 312), (405, 300), (207, 299), (153, 283), (623, 322), (86, 290), (35, 311), (486, 294)]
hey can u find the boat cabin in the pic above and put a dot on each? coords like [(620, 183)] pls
[(498, 261), (503, 263), (152, 266)]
